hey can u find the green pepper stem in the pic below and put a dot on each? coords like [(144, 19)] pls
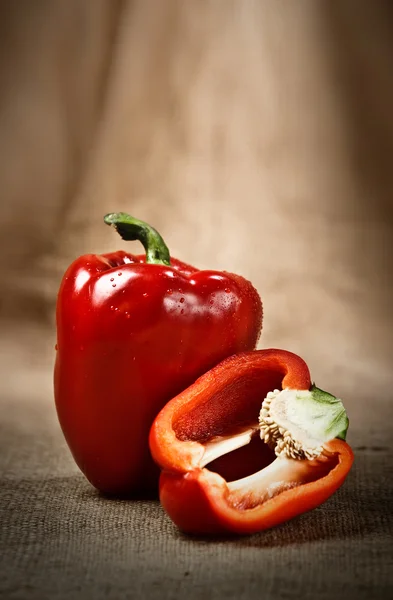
[(130, 229)]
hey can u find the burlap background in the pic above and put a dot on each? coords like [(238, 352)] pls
[(258, 138)]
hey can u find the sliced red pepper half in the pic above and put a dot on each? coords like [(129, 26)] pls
[(249, 445)]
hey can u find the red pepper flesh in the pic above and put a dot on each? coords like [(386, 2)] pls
[(130, 336), (205, 491)]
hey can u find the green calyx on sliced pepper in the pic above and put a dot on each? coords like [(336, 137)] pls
[(298, 422)]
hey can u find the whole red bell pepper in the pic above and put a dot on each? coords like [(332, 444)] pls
[(249, 445), (132, 332)]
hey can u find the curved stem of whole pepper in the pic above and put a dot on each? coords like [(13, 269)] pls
[(130, 229)]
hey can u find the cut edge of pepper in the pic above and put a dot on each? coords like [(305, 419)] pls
[(231, 514)]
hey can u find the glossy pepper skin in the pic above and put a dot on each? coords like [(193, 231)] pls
[(131, 335), (217, 413)]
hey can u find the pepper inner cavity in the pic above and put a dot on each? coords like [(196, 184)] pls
[(273, 456), (224, 412)]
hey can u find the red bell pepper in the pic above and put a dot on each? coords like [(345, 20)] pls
[(132, 332), (249, 445)]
